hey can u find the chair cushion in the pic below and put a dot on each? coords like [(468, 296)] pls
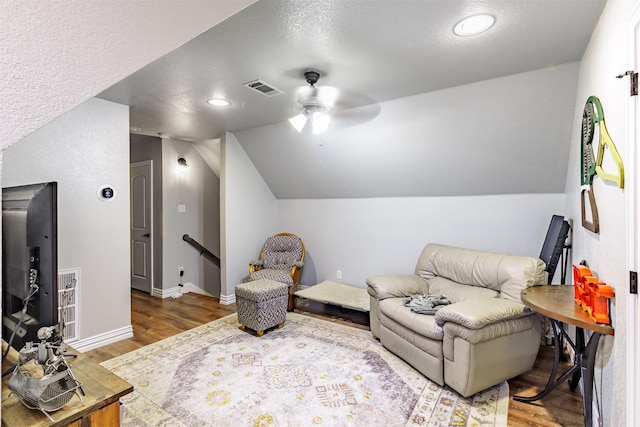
[(507, 274), (422, 324), (282, 276), (457, 292), (281, 252), (261, 290)]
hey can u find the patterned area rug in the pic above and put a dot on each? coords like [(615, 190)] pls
[(310, 372)]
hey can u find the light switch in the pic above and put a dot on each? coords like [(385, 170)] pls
[(182, 208)]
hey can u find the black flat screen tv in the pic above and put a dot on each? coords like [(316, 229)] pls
[(554, 244), (29, 261)]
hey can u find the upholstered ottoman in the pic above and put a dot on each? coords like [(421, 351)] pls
[(261, 304)]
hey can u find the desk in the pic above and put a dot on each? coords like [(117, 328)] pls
[(103, 391), (557, 303)]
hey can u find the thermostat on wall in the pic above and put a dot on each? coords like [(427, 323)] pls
[(106, 192)]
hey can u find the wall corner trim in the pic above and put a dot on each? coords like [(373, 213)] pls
[(227, 299), (102, 339)]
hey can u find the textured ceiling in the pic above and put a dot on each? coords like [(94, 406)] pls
[(372, 53)]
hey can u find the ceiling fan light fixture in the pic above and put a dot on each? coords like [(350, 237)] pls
[(314, 109), (474, 25), (298, 121), (316, 114), (320, 122)]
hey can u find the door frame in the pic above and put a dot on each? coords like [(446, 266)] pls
[(633, 215), (151, 222)]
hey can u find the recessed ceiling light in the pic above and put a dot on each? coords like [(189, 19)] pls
[(219, 102), (474, 25)]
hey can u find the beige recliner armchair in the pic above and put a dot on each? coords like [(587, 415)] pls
[(485, 336)]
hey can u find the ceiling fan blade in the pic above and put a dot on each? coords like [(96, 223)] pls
[(355, 116)]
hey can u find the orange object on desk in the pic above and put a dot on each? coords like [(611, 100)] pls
[(592, 294), (601, 293), (579, 274)]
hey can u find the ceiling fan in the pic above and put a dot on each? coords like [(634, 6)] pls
[(314, 105)]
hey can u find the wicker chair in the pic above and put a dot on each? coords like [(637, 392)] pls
[(281, 260)]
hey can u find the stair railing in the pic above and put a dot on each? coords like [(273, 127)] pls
[(203, 251)]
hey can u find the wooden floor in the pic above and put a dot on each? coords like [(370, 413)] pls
[(154, 319)]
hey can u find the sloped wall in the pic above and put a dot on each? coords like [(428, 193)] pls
[(48, 69)]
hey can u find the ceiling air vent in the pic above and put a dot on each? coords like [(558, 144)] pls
[(263, 87)]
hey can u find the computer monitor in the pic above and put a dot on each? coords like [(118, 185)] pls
[(554, 244)]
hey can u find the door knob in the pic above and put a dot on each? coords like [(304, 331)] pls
[(146, 235)]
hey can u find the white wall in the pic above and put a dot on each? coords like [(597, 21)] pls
[(82, 150), (605, 253), (362, 237), (248, 214), (197, 188)]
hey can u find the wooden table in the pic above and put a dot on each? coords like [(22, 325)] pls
[(101, 400), (558, 304)]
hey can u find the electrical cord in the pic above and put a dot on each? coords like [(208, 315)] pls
[(25, 305)]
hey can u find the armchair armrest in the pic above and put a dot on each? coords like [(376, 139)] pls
[(296, 271), (255, 265), (396, 286), (486, 319), (478, 313)]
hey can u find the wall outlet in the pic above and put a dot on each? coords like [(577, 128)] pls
[(339, 274)]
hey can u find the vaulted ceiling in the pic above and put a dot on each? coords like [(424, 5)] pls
[(420, 111)]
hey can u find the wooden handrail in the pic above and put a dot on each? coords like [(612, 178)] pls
[(203, 251)]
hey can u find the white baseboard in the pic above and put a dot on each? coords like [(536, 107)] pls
[(102, 339), (190, 287), (177, 291), (227, 299)]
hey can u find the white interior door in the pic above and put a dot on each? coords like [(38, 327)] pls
[(141, 220)]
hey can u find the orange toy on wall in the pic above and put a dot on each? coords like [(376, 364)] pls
[(592, 294)]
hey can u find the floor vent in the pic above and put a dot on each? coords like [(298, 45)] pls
[(68, 286), (263, 87)]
